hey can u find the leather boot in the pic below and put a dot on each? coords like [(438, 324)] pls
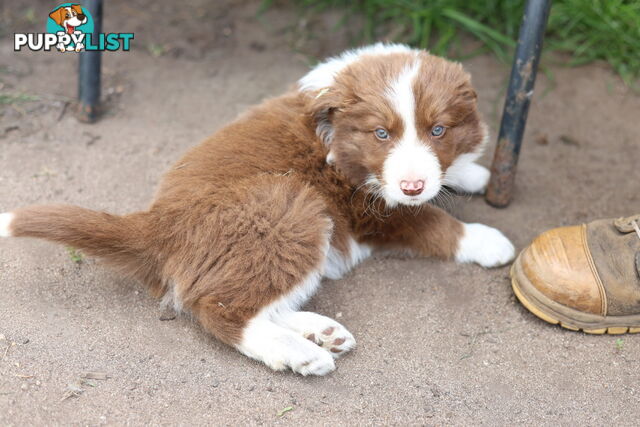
[(584, 277)]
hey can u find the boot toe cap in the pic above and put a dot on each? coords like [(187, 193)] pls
[(558, 264)]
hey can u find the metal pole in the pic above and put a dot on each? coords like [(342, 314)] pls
[(89, 69), (516, 107)]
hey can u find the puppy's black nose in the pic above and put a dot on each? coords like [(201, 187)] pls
[(82, 17)]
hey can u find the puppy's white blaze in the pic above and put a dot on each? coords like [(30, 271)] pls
[(324, 74), (485, 246), (410, 159), (5, 224)]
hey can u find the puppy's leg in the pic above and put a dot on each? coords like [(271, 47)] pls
[(434, 232), (466, 175), (260, 256), (268, 339), (280, 349)]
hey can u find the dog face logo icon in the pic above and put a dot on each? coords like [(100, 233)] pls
[(69, 17), (70, 22)]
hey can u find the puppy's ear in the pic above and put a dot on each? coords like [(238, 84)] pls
[(77, 8), (466, 93), (324, 103), (58, 15)]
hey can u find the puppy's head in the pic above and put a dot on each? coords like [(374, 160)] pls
[(395, 119), (71, 16)]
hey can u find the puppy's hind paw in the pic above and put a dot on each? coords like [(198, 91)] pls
[(322, 330), (313, 363), (334, 338), (280, 348)]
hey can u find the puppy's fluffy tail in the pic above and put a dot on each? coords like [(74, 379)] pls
[(119, 240)]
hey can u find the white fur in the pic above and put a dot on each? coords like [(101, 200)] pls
[(464, 174), (485, 246), (278, 347), (410, 159), (171, 298), (331, 158), (5, 224), (324, 74), (325, 332), (337, 264)]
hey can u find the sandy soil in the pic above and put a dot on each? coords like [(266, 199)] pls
[(438, 343)]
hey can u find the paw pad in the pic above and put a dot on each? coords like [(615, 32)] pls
[(328, 331)]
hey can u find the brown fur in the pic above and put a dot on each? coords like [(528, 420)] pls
[(242, 218)]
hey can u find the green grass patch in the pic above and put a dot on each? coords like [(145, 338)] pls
[(587, 30), (75, 255), (8, 99)]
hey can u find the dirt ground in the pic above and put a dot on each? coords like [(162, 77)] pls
[(438, 343)]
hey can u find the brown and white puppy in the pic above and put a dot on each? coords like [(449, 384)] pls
[(301, 187)]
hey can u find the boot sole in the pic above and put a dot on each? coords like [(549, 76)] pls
[(552, 312)]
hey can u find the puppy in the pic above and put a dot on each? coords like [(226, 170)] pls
[(69, 18), (301, 187)]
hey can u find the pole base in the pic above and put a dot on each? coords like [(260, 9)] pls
[(87, 113)]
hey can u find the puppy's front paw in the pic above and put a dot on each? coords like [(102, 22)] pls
[(485, 246), (475, 179), (79, 47)]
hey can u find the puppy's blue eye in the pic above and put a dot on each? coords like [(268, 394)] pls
[(381, 134), (437, 131)]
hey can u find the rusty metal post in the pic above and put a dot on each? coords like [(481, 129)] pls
[(89, 69), (516, 107)]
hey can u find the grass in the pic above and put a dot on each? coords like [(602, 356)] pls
[(619, 344), (285, 410), (8, 99), (75, 255), (587, 30)]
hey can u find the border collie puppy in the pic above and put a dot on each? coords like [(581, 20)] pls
[(303, 186)]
